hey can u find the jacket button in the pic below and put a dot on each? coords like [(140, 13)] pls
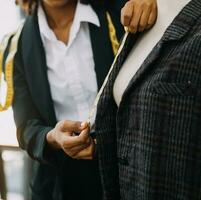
[(123, 161)]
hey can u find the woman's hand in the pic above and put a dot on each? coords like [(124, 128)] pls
[(73, 138), (87, 153), (138, 15), (24, 4)]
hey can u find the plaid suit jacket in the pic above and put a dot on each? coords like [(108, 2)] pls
[(150, 147)]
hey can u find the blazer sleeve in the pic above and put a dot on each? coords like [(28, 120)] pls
[(31, 128)]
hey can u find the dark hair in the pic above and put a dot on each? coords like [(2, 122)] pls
[(34, 3)]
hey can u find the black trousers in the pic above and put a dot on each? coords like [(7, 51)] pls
[(81, 180)]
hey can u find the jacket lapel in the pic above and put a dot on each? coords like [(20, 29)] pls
[(101, 46), (176, 31), (36, 70)]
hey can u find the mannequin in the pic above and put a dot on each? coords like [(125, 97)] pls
[(145, 44)]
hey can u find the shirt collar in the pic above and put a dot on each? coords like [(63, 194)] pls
[(83, 13)]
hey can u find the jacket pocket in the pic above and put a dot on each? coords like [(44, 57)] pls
[(175, 89), (168, 106)]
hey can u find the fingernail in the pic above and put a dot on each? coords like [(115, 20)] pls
[(83, 124), (126, 29)]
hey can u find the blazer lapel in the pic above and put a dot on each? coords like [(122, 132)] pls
[(176, 31), (101, 47), (101, 44), (36, 70)]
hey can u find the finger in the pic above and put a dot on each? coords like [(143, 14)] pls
[(127, 13), (73, 141), (71, 126), (144, 19), (88, 152), (95, 141), (152, 18), (84, 136), (84, 158), (75, 150), (133, 27), (85, 125), (81, 157), (80, 147)]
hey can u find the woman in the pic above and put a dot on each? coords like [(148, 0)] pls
[(64, 52), (148, 118)]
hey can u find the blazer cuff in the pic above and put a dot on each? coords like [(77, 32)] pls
[(46, 153)]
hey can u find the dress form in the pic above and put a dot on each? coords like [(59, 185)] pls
[(167, 11)]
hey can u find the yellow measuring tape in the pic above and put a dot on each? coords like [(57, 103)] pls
[(112, 34), (3, 47), (9, 65)]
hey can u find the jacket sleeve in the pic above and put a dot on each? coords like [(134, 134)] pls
[(31, 128)]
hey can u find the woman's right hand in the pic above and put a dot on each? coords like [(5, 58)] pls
[(63, 137), (138, 15)]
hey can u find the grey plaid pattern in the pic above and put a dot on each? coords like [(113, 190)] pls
[(150, 147)]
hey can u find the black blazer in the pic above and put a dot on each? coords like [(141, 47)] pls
[(150, 147), (33, 106)]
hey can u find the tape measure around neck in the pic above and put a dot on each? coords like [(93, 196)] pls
[(9, 65), (112, 34)]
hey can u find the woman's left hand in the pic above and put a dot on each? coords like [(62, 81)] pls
[(88, 152), (138, 15)]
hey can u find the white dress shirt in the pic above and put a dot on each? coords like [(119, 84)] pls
[(71, 72), (167, 11)]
